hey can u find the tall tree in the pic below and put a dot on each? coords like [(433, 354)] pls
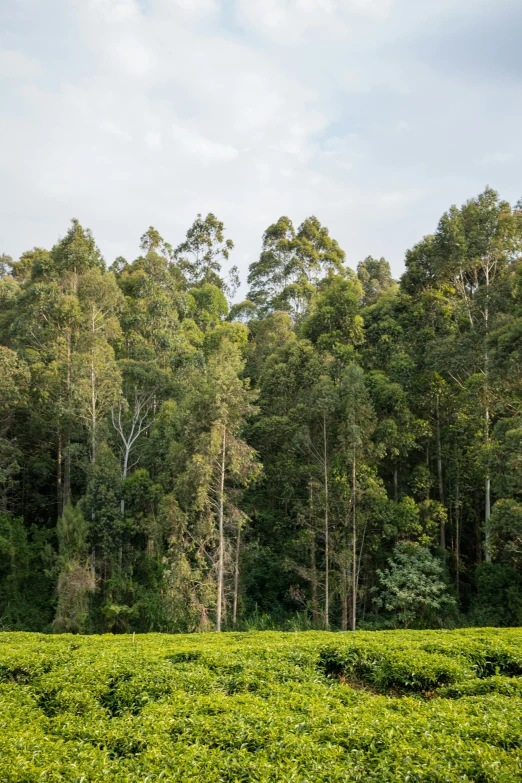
[(375, 277), (474, 246), (291, 264), (204, 250), (357, 425), (222, 462)]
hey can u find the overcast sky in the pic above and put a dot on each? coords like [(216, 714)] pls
[(374, 115)]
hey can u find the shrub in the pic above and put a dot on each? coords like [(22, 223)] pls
[(264, 707), (413, 586)]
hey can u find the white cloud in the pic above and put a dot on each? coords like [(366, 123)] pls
[(18, 66), (377, 8), (204, 149), (132, 55), (127, 113), (496, 158), (114, 11), (153, 139), (288, 21), (111, 127)]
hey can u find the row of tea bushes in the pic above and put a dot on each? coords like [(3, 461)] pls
[(425, 662), (310, 707)]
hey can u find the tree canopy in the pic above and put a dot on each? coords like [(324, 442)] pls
[(339, 447)]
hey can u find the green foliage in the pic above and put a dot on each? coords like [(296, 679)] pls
[(413, 586), (267, 706), (25, 584), (164, 454), (375, 277), (101, 504), (506, 530), (76, 579), (72, 530), (290, 263), (498, 599), (334, 323), (199, 257)]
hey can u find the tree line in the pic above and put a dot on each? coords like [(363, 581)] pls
[(337, 450)]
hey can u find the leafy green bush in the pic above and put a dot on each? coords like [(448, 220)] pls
[(262, 707), (413, 585)]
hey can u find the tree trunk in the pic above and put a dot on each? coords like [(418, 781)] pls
[(236, 577), (313, 574), (354, 549), (439, 475), (59, 489), (457, 534), (345, 597), (313, 560), (67, 465), (93, 411), (488, 497), (326, 533), (428, 466), (67, 477), (478, 540), (487, 512), (221, 533), (123, 477)]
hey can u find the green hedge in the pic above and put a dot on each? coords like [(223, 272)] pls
[(309, 707)]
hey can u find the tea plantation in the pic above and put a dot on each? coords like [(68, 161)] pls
[(308, 707)]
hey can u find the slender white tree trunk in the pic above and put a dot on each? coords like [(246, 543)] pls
[(124, 476), (354, 549), (439, 475), (59, 499), (67, 461), (487, 511), (326, 533), (221, 554), (457, 533), (236, 577), (93, 392), (93, 412), (313, 563)]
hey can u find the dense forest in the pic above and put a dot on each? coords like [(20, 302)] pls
[(338, 450)]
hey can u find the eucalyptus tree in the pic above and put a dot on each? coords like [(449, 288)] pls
[(48, 326), (474, 247), (334, 323), (269, 276), (14, 398), (201, 255), (376, 279), (96, 377), (220, 462), (321, 405), (357, 423), (291, 264), (397, 429), (137, 409)]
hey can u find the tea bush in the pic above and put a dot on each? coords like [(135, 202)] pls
[(312, 707)]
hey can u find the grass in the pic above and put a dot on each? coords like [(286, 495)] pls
[(267, 706)]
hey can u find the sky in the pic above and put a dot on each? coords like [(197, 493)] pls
[(373, 115)]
